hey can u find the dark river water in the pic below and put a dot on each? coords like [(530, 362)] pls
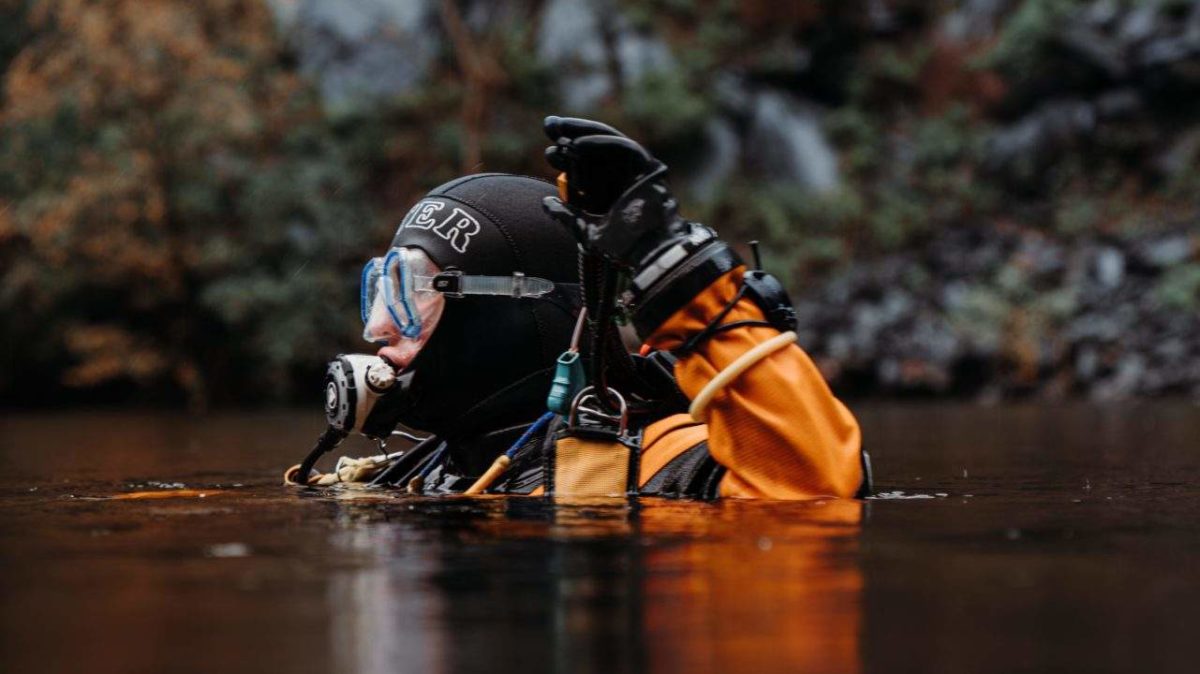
[(1026, 539)]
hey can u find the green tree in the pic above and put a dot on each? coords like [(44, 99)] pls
[(172, 207)]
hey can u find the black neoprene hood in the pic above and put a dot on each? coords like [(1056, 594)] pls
[(491, 223), (490, 359)]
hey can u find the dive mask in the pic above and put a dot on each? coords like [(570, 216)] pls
[(403, 294)]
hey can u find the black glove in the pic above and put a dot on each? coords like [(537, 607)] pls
[(618, 204)]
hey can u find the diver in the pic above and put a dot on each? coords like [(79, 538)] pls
[(509, 313)]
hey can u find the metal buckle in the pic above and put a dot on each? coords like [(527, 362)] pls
[(588, 394), (449, 283)]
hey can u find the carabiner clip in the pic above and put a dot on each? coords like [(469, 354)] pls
[(589, 394)]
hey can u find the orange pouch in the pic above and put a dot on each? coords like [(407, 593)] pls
[(590, 463)]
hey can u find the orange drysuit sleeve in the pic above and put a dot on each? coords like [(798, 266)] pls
[(777, 427)]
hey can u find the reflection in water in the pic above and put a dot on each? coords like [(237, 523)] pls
[(601, 586), (1067, 542), (381, 623), (790, 596)]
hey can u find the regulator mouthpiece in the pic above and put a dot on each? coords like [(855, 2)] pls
[(354, 384)]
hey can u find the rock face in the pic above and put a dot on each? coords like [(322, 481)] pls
[(1116, 63), (974, 19), (991, 312), (592, 44), (982, 309), (570, 40), (363, 51), (721, 156), (790, 144), (1034, 140)]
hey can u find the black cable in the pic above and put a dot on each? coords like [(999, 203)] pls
[(610, 363), (598, 275), (332, 437), (713, 326), (724, 327), (407, 465), (599, 326), (609, 335)]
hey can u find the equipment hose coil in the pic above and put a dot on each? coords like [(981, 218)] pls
[(733, 370)]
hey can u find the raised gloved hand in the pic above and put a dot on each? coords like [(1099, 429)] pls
[(615, 199)]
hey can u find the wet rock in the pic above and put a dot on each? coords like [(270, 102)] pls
[(1168, 52), (576, 37), (792, 145), (640, 55), (880, 17), (570, 39), (1087, 363), (1089, 43), (965, 253), (1004, 310), (481, 15), (1124, 382), (1167, 45), (1120, 63), (733, 96), (1139, 24), (1119, 104), (1160, 253), (866, 322), (1102, 13), (1110, 267), (719, 159), (363, 51), (1086, 314), (1181, 156), (1041, 256), (1172, 350), (940, 342), (974, 19), (1034, 140)]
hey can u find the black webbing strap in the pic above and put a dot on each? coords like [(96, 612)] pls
[(715, 327), (692, 474)]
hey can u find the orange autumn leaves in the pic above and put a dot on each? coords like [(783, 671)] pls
[(129, 128)]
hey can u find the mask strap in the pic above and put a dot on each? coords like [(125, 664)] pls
[(454, 283)]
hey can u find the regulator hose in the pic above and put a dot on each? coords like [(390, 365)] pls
[(332, 437), (600, 279), (610, 363)]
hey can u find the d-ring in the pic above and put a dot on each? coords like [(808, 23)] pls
[(622, 417)]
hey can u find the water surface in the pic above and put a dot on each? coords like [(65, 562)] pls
[(1011, 539)]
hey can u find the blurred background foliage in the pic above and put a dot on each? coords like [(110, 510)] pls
[(984, 198)]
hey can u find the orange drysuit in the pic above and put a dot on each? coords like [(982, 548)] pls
[(776, 429)]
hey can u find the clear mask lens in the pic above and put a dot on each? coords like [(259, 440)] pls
[(402, 296), (397, 302)]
